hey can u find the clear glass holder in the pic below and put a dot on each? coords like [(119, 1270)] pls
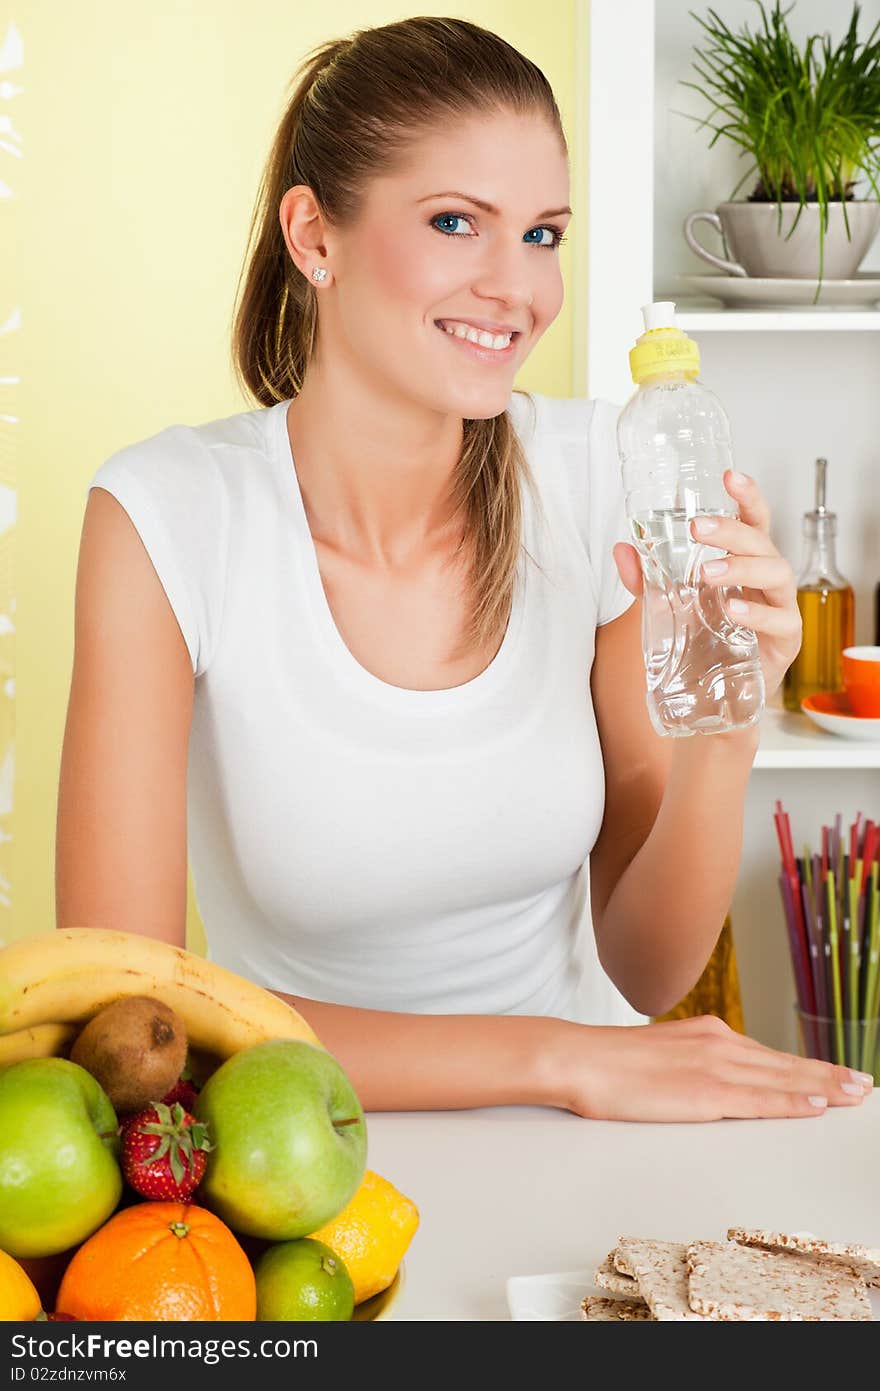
[(851, 1042)]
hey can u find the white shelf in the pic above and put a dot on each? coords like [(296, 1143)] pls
[(789, 740), (711, 319)]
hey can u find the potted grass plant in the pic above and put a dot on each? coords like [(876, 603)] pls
[(809, 119)]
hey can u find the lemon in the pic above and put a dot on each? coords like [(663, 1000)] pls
[(372, 1234), (18, 1295), (303, 1279)]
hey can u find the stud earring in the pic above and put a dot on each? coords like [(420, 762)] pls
[(319, 274)]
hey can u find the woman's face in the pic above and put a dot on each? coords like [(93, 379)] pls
[(461, 239)]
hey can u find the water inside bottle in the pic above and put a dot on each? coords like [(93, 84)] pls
[(703, 669)]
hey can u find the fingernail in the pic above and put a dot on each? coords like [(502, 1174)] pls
[(864, 1077), (706, 524), (715, 567), (818, 1101), (737, 606), (739, 480), (854, 1088)]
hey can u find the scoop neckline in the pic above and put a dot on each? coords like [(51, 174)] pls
[(400, 697)]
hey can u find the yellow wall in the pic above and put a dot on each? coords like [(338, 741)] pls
[(143, 145)]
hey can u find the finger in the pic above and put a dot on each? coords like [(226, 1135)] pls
[(753, 507), (797, 1076), (729, 534), (764, 618), (752, 1103), (772, 574), (629, 566), (805, 1070)]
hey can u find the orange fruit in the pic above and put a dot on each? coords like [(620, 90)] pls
[(18, 1294), (172, 1261), (372, 1234)]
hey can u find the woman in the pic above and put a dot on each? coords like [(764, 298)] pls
[(370, 653)]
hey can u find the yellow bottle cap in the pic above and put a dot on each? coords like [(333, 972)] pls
[(662, 348)]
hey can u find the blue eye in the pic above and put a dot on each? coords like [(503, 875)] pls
[(555, 237), (447, 218), (460, 225)]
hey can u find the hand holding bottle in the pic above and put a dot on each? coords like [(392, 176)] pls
[(702, 665), (767, 580), (753, 562)]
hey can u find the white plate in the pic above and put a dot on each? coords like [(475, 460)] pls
[(752, 292), (555, 1297), (848, 726)]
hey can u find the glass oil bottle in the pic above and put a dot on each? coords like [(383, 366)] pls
[(827, 605)]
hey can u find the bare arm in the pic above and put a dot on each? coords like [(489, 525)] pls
[(415, 1062), (665, 863), (664, 866), (120, 846), (682, 1070)]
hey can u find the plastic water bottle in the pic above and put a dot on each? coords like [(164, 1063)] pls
[(703, 668)]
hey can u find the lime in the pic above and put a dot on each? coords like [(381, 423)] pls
[(303, 1279)]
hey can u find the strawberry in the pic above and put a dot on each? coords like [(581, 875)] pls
[(184, 1091), (164, 1152)]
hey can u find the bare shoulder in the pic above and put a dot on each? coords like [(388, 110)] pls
[(121, 827), (119, 593)]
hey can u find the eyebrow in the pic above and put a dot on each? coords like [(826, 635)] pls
[(487, 207)]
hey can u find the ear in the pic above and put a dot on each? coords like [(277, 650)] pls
[(304, 228)]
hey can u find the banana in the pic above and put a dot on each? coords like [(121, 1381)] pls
[(66, 976), (39, 1041)]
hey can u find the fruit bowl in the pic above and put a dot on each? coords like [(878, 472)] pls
[(381, 1305)]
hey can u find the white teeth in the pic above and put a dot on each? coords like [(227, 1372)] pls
[(480, 337)]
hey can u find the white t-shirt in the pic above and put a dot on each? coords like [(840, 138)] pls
[(352, 841)]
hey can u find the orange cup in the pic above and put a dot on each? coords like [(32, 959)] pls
[(860, 668)]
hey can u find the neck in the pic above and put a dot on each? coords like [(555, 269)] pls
[(375, 469)]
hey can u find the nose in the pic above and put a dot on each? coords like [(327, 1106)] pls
[(507, 276)]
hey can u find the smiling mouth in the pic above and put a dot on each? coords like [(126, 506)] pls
[(492, 344)]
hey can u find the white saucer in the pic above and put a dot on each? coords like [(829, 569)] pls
[(550, 1298), (831, 710), (739, 291)]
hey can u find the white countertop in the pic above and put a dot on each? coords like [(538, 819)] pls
[(531, 1190)]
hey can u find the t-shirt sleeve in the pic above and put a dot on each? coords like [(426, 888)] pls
[(171, 488), (586, 432), (606, 511)]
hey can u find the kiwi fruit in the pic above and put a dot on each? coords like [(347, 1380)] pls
[(136, 1048)]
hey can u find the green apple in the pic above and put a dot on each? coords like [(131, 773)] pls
[(290, 1140), (59, 1176)]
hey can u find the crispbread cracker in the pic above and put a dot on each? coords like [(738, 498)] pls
[(730, 1281), (661, 1272), (863, 1259), (607, 1278), (596, 1308)]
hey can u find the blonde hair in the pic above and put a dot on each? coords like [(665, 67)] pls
[(358, 103)]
